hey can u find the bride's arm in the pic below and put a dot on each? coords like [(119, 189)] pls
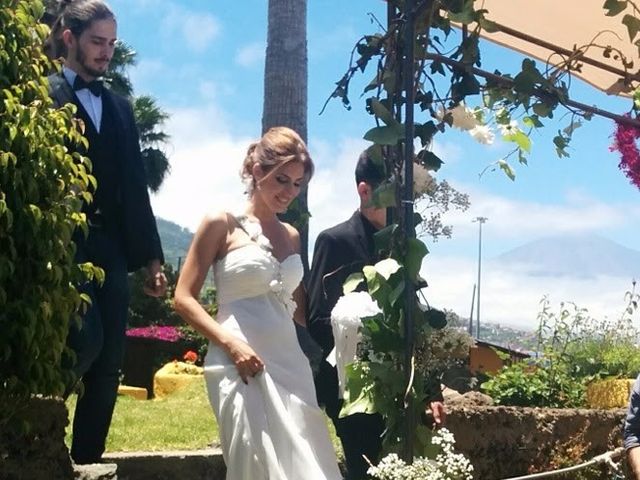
[(206, 246)]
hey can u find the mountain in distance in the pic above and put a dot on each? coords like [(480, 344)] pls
[(175, 241), (577, 255)]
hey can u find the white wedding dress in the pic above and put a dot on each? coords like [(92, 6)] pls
[(272, 427)]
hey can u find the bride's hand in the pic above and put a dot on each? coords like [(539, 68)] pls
[(245, 359)]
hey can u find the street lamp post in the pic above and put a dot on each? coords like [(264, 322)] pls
[(480, 221)]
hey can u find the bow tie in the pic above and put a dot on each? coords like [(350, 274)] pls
[(94, 86)]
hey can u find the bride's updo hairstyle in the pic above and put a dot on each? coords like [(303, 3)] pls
[(277, 147)]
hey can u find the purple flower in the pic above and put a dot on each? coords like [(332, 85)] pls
[(167, 334)]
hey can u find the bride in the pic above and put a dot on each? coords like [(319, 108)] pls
[(259, 382)]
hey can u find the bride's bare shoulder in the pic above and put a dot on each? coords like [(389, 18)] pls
[(294, 235), (216, 224)]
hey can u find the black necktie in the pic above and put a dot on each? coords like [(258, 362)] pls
[(94, 86)]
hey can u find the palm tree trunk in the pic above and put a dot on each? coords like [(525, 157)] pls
[(285, 89)]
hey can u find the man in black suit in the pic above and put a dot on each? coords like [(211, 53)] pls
[(340, 251), (122, 231)]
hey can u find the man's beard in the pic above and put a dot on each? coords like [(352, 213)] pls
[(81, 59)]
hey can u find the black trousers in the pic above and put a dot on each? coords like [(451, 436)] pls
[(99, 344), (360, 434)]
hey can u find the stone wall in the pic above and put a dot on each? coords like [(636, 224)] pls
[(38, 453), (501, 442), (504, 442)]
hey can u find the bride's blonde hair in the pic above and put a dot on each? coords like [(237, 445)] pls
[(279, 146)]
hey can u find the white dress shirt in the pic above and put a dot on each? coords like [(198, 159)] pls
[(91, 103)]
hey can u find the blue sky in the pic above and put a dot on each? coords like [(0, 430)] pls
[(203, 60)]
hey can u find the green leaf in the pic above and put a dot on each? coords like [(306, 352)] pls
[(489, 26), (357, 395), (416, 251), (526, 81), (506, 168), (561, 144), (385, 135), (430, 160), (532, 121), (384, 196), (374, 282), (633, 25), (572, 128), (465, 15), (352, 282), (396, 293), (521, 139), (387, 267), (614, 7), (542, 109), (382, 238), (382, 113), (425, 132)]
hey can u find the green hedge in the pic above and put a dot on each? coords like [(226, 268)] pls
[(42, 187)]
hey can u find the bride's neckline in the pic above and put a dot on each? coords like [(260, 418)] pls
[(268, 254), (253, 229)]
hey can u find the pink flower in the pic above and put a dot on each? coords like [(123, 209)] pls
[(625, 138), (165, 333)]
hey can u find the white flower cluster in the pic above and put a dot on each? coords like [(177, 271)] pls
[(446, 466), (353, 306), (345, 322), (510, 128), (451, 464), (466, 119), (254, 230), (423, 182)]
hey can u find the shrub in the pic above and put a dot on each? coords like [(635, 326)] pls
[(145, 310), (574, 348), (42, 187)]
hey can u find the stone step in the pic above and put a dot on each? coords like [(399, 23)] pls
[(169, 465), (97, 471)]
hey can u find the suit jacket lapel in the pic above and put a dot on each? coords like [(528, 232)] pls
[(355, 222), (118, 118), (61, 91)]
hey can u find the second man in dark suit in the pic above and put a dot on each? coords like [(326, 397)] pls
[(340, 251)]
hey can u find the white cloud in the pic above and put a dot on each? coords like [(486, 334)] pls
[(198, 29), (449, 152), (206, 157), (145, 72), (332, 191), (514, 219), (513, 298), (205, 163), (251, 55)]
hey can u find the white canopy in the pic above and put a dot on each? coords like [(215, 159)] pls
[(571, 25)]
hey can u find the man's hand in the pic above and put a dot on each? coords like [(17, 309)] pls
[(438, 412), (156, 283), (633, 456)]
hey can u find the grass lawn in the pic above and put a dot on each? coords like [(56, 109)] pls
[(182, 421)]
